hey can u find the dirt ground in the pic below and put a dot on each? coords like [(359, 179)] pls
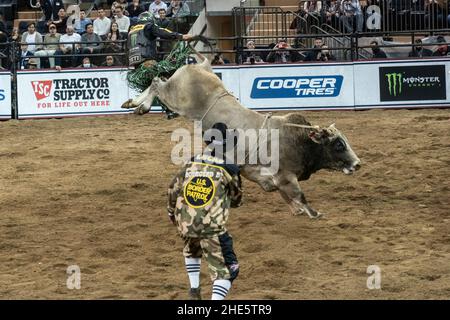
[(92, 192)]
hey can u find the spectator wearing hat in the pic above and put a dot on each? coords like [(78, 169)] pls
[(51, 41), (32, 64)]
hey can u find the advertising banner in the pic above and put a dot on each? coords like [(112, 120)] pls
[(396, 84), (230, 78), (5, 95), (86, 92), (297, 87), (412, 83)]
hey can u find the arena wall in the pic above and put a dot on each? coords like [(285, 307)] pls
[(345, 85)]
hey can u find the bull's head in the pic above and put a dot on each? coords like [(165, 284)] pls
[(338, 155)]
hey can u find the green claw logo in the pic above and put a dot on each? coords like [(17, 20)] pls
[(395, 83)]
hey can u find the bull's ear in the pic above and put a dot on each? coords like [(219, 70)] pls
[(316, 136), (320, 137)]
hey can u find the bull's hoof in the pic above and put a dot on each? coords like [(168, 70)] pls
[(317, 216), (298, 212), (141, 110), (128, 104)]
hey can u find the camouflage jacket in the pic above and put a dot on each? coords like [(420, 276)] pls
[(201, 194)]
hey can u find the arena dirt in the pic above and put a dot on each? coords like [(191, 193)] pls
[(92, 192)]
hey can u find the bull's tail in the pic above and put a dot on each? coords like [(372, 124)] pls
[(204, 61)]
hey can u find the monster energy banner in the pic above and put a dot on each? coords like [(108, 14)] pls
[(412, 83)]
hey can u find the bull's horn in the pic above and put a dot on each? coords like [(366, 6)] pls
[(332, 129)]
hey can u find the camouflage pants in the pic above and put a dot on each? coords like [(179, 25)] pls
[(218, 253)]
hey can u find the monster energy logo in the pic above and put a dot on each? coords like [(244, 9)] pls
[(395, 83)]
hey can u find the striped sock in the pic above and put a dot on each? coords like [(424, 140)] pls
[(220, 289), (193, 270)]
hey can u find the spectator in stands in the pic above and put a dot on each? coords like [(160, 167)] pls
[(114, 36), (102, 24), (419, 51), (32, 38), (134, 10), (14, 36), (80, 25), (32, 63), (61, 23), (442, 49), (325, 54), (163, 21), (86, 63), (312, 55), (298, 23), (155, 6), (332, 13), (109, 62), (50, 8), (251, 57), (219, 60), (24, 56), (117, 4), (377, 52), (165, 45), (350, 13), (434, 14), (69, 44), (178, 9), (92, 42), (51, 41), (122, 21), (281, 54), (312, 11)]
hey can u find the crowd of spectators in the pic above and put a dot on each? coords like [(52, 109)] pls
[(359, 15), (60, 39), (283, 52)]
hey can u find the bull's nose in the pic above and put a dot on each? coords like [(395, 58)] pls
[(357, 166)]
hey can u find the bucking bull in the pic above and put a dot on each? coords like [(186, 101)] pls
[(194, 91)]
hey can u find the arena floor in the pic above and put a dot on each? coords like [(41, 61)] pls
[(92, 192)]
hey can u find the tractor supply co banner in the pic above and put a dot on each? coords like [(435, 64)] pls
[(5, 95), (44, 94)]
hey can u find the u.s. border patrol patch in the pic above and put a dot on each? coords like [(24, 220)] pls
[(199, 192)]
